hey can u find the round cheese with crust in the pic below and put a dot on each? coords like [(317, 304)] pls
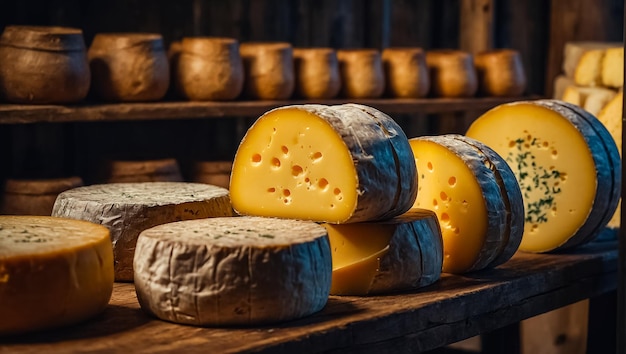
[(317, 72), (233, 271), (500, 73), (53, 272), (128, 171), (362, 74), (452, 73), (129, 208), (406, 73), (34, 196), (268, 69)]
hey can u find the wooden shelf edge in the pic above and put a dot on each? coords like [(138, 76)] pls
[(25, 114)]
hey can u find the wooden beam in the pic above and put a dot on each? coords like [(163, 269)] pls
[(476, 30)]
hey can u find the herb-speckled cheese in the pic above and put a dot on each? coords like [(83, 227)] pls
[(233, 271), (129, 208), (53, 272)]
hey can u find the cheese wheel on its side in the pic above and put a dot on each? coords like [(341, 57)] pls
[(592, 99), (406, 73), (613, 67), (335, 164), (53, 272), (268, 70), (212, 172), (402, 253), (34, 196), (475, 197), (500, 73), (233, 271), (452, 73), (562, 166), (124, 171), (129, 208), (362, 74), (317, 72)]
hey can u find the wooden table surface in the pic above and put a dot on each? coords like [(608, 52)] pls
[(454, 308)]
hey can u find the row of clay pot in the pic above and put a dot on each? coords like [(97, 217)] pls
[(37, 196)]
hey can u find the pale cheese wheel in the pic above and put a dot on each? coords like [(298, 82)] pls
[(406, 73), (34, 196), (500, 73), (268, 70), (129, 208), (130, 171), (398, 254), (336, 164), (452, 73), (362, 74), (53, 272), (233, 271), (476, 199), (562, 166), (317, 72)]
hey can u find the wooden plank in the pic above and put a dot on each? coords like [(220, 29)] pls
[(476, 29), (452, 309)]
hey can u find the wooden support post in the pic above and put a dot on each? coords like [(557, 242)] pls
[(476, 30)]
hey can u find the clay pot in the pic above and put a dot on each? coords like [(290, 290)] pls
[(406, 73), (317, 73), (40, 65), (500, 73), (34, 196), (362, 73), (268, 68)]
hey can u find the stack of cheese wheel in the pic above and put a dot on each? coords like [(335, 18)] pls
[(129, 208), (566, 163), (34, 196), (53, 272), (125, 171), (212, 172), (351, 167), (476, 197)]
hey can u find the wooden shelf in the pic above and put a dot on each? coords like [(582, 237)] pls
[(452, 309), (22, 114)]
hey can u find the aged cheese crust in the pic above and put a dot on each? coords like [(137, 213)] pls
[(406, 73), (317, 72), (268, 70), (53, 272), (233, 271), (362, 74), (378, 178), (452, 73), (129, 208), (500, 73)]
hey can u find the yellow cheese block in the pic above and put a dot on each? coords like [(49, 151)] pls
[(573, 53), (402, 253), (592, 99), (336, 164), (613, 67), (53, 272), (562, 166), (468, 192), (589, 68)]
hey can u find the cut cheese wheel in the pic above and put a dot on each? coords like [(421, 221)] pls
[(452, 73), (402, 253), (561, 164), (362, 74), (574, 51), (233, 271), (613, 67), (53, 272), (474, 197), (406, 73), (592, 99), (500, 73), (129, 208), (268, 70), (337, 164)]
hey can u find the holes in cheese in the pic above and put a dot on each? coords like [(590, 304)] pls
[(476, 198), (335, 164), (129, 208), (402, 253), (562, 165), (53, 272), (232, 271)]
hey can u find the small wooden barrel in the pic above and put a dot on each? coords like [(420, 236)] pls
[(34, 196), (500, 73), (209, 69), (216, 173), (43, 65), (129, 67), (452, 73), (268, 68), (161, 170), (406, 73), (362, 73), (317, 72)]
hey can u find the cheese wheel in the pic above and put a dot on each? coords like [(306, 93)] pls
[(53, 272), (317, 72), (209, 69), (500, 73), (336, 164), (398, 254), (592, 99), (562, 166), (233, 271), (406, 73), (212, 172), (34, 196), (129, 208), (268, 70), (362, 74), (475, 197), (125, 171), (452, 73), (613, 67)]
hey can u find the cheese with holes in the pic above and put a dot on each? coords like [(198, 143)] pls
[(336, 164), (233, 271), (476, 198), (562, 165), (53, 272), (613, 67), (402, 253), (592, 99), (129, 208)]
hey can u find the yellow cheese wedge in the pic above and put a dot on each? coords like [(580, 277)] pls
[(592, 99), (53, 272), (574, 51), (613, 67), (466, 190), (402, 253), (589, 68), (335, 164), (562, 166)]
